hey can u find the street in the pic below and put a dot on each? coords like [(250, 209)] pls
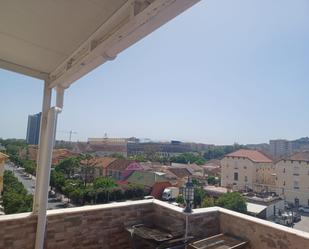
[(29, 184), (303, 225)]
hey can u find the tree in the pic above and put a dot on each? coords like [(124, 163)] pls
[(211, 180), (15, 197), (196, 183), (233, 201), (30, 166), (57, 180), (74, 190), (13, 146), (180, 200), (104, 183), (188, 158), (208, 202), (219, 151), (87, 165), (199, 195), (68, 166), (117, 155), (138, 158)]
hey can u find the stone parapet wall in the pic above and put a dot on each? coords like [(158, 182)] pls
[(261, 234), (96, 226), (17, 231), (103, 226), (204, 222)]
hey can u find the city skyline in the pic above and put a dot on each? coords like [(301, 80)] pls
[(207, 76)]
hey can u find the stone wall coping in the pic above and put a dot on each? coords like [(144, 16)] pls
[(205, 210), (168, 206), (9, 217), (88, 208), (266, 223), (180, 210)]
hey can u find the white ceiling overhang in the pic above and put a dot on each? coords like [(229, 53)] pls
[(61, 40)]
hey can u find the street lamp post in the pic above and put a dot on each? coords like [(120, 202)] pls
[(188, 195)]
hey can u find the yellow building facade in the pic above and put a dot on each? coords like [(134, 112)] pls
[(3, 158), (293, 181), (245, 170)]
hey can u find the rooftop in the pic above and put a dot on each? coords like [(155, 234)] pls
[(3, 156), (120, 164), (180, 172), (102, 162), (253, 155), (301, 156)]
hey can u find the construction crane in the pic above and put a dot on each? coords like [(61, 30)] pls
[(70, 134)]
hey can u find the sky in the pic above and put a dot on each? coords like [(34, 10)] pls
[(222, 72)]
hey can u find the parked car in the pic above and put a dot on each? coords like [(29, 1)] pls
[(51, 194), (170, 193), (284, 219), (296, 216), (303, 209)]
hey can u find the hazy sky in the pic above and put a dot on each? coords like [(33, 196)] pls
[(222, 72)]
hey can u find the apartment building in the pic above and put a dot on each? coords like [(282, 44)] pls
[(158, 149), (292, 178), (100, 149), (248, 170), (3, 158), (280, 148), (33, 128)]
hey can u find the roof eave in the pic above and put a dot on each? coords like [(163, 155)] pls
[(128, 27)]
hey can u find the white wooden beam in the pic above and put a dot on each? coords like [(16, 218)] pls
[(132, 22), (23, 70)]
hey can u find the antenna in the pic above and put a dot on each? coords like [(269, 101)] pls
[(70, 134)]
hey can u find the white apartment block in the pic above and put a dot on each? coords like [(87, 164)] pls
[(280, 148), (245, 170)]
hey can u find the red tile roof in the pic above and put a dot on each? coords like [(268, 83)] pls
[(158, 188), (253, 155), (3, 156), (301, 156), (101, 162), (120, 164), (179, 172)]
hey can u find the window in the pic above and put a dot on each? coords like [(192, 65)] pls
[(245, 167), (296, 185), (235, 176), (283, 170), (246, 178), (296, 202), (283, 183)]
